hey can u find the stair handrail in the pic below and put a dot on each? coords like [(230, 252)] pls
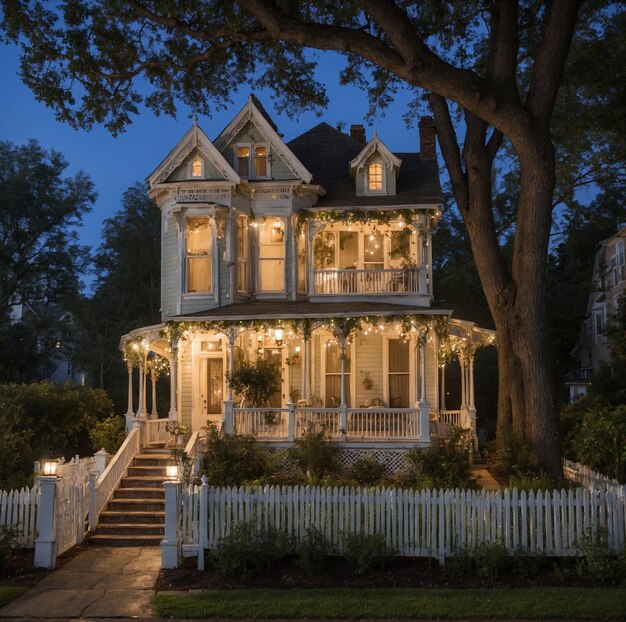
[(191, 449), (102, 488)]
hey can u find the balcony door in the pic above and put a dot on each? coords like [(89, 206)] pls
[(271, 256)]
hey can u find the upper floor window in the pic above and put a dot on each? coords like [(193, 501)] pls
[(198, 252), (621, 260), (251, 161), (242, 254), (271, 255), (375, 177), (196, 168)]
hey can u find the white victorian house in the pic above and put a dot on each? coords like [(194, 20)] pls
[(315, 254)]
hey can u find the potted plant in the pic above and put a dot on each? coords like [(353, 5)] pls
[(367, 381), (256, 383), (178, 431)]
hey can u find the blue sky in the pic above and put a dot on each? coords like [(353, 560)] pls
[(114, 164)]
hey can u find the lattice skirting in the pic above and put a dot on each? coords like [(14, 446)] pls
[(394, 460)]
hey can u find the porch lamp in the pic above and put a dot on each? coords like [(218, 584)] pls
[(49, 466), (279, 335), (171, 471)]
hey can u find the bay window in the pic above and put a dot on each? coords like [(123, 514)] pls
[(198, 253)]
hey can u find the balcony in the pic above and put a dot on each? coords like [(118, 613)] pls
[(367, 282)]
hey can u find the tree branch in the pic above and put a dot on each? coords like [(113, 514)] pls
[(550, 59), (450, 150)]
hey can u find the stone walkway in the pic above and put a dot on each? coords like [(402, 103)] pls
[(101, 582), (483, 478)]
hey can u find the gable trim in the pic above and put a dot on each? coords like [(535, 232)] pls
[(194, 138), (250, 113), (375, 146)]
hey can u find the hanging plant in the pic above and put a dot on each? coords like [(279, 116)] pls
[(255, 382)]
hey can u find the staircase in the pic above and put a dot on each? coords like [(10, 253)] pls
[(135, 516)]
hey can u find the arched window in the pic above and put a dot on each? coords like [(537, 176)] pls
[(375, 177), (197, 167)]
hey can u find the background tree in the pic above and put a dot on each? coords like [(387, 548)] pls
[(127, 290), (40, 258), (500, 64)]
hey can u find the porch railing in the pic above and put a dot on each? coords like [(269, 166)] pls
[(156, 431), (286, 424), (398, 281), (100, 490), (452, 417), (383, 423)]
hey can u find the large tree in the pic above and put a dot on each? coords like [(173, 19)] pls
[(499, 62), (41, 260)]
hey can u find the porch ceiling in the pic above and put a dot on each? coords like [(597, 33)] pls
[(286, 309)]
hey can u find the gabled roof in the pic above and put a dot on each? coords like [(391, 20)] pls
[(254, 113), (374, 146), (194, 138), (327, 153)]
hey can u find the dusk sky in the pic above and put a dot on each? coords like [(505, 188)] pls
[(114, 164)]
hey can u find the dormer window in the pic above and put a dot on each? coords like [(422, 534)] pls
[(196, 168), (251, 161), (375, 177)]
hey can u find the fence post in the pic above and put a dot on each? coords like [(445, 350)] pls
[(291, 421), (170, 545), (93, 519), (229, 427), (102, 459), (202, 518), (45, 549)]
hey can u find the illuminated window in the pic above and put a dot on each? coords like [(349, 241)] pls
[(199, 245), (197, 167), (375, 177), (252, 161), (243, 161)]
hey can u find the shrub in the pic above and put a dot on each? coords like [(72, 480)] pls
[(542, 481), (512, 457), (599, 562), (315, 456), (367, 471), (235, 460), (8, 542), (108, 433), (365, 553), (312, 552), (247, 550), (447, 465)]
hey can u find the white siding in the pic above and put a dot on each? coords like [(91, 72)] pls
[(186, 387), (170, 266), (369, 358)]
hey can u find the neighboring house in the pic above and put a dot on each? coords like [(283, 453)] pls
[(608, 285), (56, 327), (316, 254)]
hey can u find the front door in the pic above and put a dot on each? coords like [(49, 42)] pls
[(211, 389)]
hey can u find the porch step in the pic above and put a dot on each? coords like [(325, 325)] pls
[(111, 517), (124, 540), (135, 516)]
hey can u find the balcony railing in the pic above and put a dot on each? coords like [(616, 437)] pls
[(395, 281)]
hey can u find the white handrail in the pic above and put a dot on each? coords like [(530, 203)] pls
[(191, 449), (100, 492), (393, 280)]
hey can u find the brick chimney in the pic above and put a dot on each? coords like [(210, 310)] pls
[(427, 138), (357, 132)]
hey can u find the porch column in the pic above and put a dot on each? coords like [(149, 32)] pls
[(343, 408), (471, 382), (231, 362), (424, 406), (442, 387), (173, 413), (154, 414), (463, 383), (305, 367), (437, 394), (141, 406), (129, 412), (423, 280)]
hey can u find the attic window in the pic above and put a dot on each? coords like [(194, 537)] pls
[(197, 167), (375, 177), (251, 161)]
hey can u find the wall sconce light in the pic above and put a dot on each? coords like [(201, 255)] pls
[(49, 466), (297, 350), (171, 471), (279, 335)]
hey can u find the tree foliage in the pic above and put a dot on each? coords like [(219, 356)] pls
[(41, 260), (497, 67)]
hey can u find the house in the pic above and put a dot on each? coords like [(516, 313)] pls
[(316, 254), (608, 284)]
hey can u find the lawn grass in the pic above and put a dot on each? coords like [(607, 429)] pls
[(383, 603), (9, 593)]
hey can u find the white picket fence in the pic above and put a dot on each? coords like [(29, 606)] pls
[(585, 476), (426, 523), (18, 511)]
